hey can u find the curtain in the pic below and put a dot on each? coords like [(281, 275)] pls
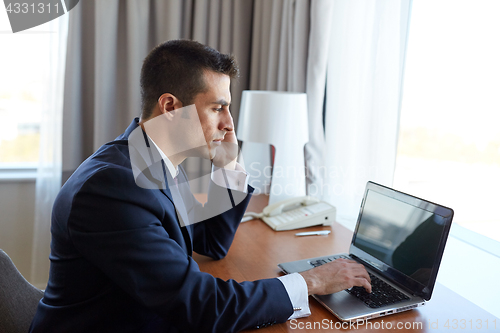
[(108, 40), (360, 50), (48, 179), (315, 150), (279, 45)]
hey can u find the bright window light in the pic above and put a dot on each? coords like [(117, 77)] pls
[(449, 145), (23, 61)]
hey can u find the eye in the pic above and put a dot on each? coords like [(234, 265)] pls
[(218, 109)]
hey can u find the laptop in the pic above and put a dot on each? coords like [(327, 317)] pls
[(400, 240)]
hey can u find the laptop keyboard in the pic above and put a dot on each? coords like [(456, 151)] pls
[(382, 293)]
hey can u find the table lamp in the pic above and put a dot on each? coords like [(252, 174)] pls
[(279, 119)]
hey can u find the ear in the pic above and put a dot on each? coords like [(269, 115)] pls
[(168, 102)]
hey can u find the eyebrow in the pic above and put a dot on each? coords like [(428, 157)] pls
[(222, 102)]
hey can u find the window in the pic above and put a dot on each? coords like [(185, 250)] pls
[(24, 61), (449, 144)]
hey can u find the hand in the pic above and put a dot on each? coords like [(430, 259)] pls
[(335, 276), (227, 153)]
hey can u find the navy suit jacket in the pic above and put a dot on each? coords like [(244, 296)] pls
[(120, 261)]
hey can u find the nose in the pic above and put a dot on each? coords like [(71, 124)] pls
[(226, 121)]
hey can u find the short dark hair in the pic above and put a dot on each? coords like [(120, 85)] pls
[(177, 67)]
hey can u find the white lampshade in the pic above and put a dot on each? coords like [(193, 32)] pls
[(279, 119)]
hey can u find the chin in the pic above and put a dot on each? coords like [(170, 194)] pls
[(207, 153)]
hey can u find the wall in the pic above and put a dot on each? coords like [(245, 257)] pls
[(17, 210)]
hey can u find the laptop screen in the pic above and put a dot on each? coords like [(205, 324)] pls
[(403, 232)]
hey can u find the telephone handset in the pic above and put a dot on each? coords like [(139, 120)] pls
[(278, 207), (298, 213)]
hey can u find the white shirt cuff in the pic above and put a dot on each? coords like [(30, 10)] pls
[(236, 179), (296, 288)]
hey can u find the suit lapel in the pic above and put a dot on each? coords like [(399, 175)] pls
[(151, 172)]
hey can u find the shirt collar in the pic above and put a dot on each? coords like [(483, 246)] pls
[(171, 168)]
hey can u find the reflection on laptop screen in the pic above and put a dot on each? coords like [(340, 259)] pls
[(401, 235)]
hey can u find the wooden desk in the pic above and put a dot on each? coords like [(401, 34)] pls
[(257, 249)]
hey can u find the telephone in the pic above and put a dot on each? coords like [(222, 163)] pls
[(297, 213)]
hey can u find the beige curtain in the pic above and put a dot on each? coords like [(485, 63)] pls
[(280, 45), (108, 40)]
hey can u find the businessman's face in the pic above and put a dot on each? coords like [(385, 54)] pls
[(213, 111)]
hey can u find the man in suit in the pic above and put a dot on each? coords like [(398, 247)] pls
[(123, 229)]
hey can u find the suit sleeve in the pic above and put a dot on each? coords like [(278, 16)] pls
[(213, 236), (117, 226)]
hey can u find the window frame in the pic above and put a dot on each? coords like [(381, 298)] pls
[(16, 172)]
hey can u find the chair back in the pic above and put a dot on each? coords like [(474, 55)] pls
[(18, 298)]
